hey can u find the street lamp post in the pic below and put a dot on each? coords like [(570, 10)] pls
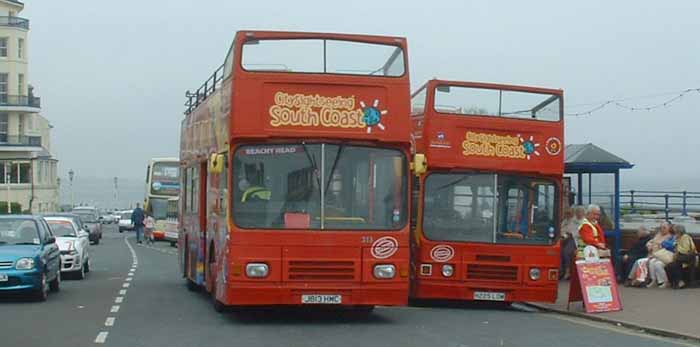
[(71, 174), (7, 183), (116, 192)]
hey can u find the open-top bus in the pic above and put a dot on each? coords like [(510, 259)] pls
[(162, 191), (488, 208), (295, 159)]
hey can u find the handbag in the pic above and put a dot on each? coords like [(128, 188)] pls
[(665, 256)]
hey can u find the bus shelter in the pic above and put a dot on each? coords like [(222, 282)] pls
[(592, 176)]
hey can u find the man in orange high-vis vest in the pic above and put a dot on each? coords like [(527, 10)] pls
[(590, 232)]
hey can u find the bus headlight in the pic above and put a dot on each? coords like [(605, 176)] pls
[(448, 270), (535, 273), (25, 264), (385, 271), (257, 270)]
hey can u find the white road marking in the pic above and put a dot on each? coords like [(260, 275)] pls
[(128, 279), (101, 337), (119, 300), (126, 285), (110, 321), (122, 292), (114, 309)]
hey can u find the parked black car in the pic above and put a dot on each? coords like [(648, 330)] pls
[(91, 221)]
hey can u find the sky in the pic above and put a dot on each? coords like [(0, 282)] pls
[(112, 75)]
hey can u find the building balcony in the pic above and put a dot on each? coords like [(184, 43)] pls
[(20, 143), (22, 103), (16, 22)]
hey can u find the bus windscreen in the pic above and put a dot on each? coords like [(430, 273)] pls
[(475, 207), (319, 186), (323, 56)]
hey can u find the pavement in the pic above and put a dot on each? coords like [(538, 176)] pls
[(661, 311), (134, 296)]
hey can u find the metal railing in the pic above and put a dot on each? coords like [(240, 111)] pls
[(20, 140), (206, 89), (20, 100), (656, 201), (17, 22), (661, 201)]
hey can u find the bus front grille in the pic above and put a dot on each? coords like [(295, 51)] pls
[(492, 272), (321, 270)]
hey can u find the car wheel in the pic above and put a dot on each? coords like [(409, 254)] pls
[(55, 285), (42, 293), (121, 231), (81, 273), (87, 266)]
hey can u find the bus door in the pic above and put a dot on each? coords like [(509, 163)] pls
[(202, 222)]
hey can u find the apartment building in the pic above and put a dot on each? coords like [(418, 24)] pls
[(28, 171)]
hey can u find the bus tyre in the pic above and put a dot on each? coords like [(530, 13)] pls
[(362, 311), (191, 285), (219, 306)]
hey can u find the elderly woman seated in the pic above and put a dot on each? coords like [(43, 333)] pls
[(636, 252), (685, 256), (640, 272)]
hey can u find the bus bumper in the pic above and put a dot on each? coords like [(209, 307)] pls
[(463, 291), (261, 294)]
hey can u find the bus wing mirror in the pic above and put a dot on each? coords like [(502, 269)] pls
[(420, 163), (216, 163)]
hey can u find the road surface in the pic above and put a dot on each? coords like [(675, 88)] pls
[(135, 297)]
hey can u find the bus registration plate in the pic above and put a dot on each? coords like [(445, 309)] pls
[(321, 299), (490, 296)]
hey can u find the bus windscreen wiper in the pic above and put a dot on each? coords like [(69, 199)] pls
[(335, 163), (312, 161)]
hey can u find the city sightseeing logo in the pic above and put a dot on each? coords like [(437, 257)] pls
[(330, 112), (501, 146)]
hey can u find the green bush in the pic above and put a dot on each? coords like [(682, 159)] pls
[(15, 207)]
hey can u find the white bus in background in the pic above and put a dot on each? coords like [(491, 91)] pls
[(162, 189)]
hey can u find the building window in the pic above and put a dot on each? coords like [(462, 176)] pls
[(20, 84), (3, 127), (25, 173), (20, 48), (3, 88), (3, 46)]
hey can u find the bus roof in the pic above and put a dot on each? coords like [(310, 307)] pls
[(477, 137), (343, 104)]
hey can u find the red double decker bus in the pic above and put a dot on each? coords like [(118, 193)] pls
[(488, 207), (295, 169)]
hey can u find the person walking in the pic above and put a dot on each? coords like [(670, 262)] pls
[(149, 226), (137, 218)]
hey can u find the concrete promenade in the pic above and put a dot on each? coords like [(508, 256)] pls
[(663, 311)]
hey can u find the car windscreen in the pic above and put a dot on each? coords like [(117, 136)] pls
[(19, 232), (62, 228), (319, 186), (86, 216), (125, 216)]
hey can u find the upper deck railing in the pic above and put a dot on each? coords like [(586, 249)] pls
[(204, 91)]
